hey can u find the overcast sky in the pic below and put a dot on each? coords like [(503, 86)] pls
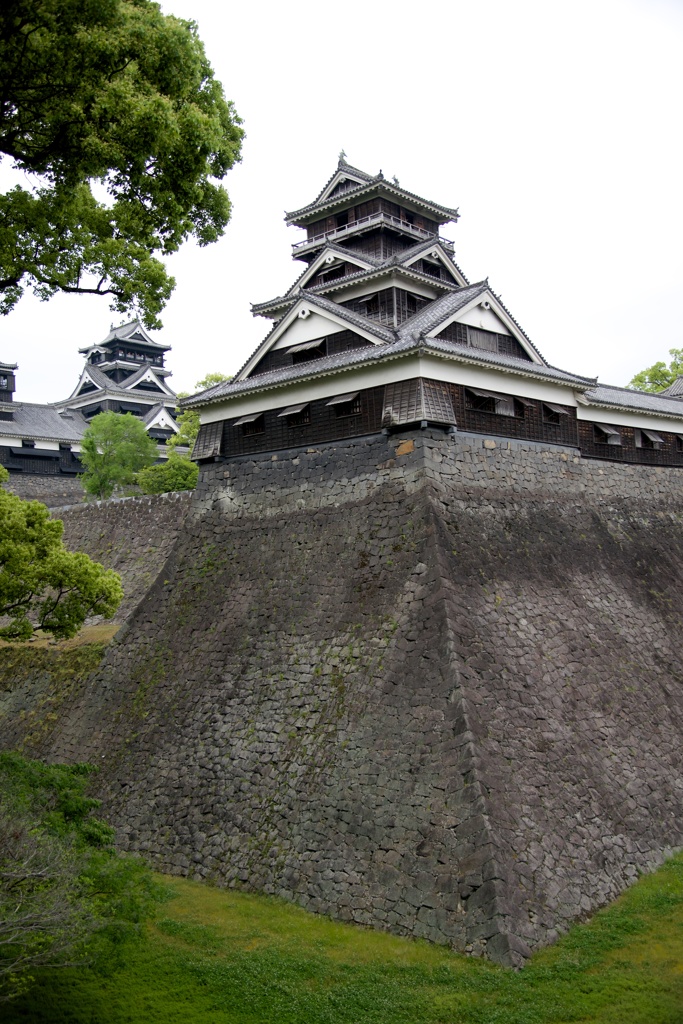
[(555, 128)]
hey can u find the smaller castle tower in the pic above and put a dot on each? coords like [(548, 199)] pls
[(125, 373)]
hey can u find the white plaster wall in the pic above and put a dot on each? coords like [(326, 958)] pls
[(486, 319), (314, 326)]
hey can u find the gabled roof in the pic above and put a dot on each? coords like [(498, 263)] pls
[(105, 384), (157, 412), (373, 276), (146, 371), (439, 313), (443, 214), (377, 354), (343, 170), (320, 304), (133, 331)]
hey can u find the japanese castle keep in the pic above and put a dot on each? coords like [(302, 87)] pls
[(382, 330), (410, 654)]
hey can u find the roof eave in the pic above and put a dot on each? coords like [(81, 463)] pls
[(300, 218)]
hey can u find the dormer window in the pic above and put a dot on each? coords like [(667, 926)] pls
[(309, 350), (605, 434)]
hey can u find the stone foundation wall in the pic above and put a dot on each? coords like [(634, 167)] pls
[(134, 536), (426, 683), (51, 490)]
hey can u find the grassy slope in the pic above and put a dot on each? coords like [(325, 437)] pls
[(219, 957)]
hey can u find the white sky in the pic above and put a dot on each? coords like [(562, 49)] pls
[(555, 128)]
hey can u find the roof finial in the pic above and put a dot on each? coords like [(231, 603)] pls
[(395, 180), (342, 156)]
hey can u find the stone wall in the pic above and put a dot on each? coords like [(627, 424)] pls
[(426, 683), (51, 490), (134, 536)]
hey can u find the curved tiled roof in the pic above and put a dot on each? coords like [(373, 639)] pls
[(375, 354), (609, 397), (43, 423), (448, 213)]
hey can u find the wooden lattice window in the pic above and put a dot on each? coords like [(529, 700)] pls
[(252, 424), (346, 405), (553, 413), (296, 415), (490, 401), (606, 434), (648, 439), (309, 350)]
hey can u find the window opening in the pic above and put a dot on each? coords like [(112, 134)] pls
[(648, 439), (553, 413), (297, 415), (490, 401), (346, 405), (309, 350), (605, 434), (342, 219)]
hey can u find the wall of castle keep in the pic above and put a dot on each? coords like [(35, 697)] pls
[(426, 683)]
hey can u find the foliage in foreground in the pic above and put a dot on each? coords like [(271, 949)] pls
[(113, 94), (220, 957), (659, 375), (116, 446), (177, 473), (42, 585), (65, 896)]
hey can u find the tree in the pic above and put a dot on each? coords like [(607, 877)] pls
[(65, 896), (113, 109), (115, 447), (42, 585), (188, 419), (177, 473), (659, 375)]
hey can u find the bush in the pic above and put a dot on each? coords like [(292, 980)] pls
[(178, 473)]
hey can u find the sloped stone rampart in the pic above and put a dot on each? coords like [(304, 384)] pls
[(134, 536), (425, 683)]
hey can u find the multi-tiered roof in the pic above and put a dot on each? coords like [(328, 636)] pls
[(381, 303), (125, 373)]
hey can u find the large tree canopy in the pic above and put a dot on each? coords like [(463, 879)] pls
[(113, 109), (115, 448), (659, 375)]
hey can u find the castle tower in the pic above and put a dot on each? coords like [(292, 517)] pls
[(125, 373), (382, 330)]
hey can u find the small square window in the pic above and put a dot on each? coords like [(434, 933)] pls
[(605, 434), (255, 426), (350, 408)]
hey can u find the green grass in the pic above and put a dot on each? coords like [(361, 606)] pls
[(220, 957)]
